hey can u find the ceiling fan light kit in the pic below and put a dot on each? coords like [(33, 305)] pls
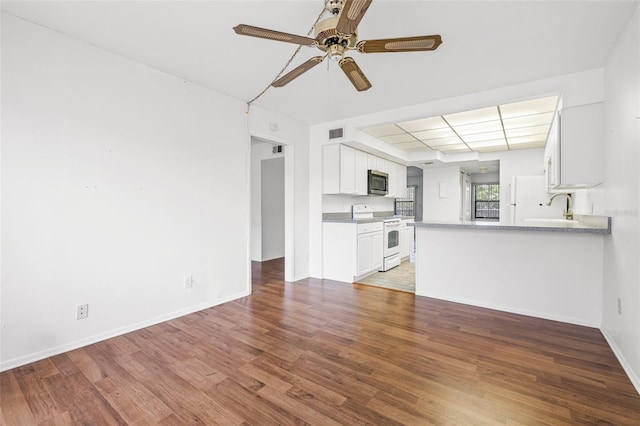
[(336, 35)]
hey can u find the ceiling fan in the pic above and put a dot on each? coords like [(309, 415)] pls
[(336, 35)]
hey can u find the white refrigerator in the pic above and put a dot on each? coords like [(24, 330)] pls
[(528, 199)]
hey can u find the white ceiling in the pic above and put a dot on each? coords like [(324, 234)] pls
[(486, 44)]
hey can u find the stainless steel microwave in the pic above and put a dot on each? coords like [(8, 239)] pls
[(378, 183)]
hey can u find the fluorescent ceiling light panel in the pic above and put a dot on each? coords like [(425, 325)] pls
[(483, 137), (486, 126), (395, 139), (473, 116), (434, 134), (443, 141), (524, 123), (385, 130), (423, 124), (533, 106), (489, 143), (528, 120), (526, 131)]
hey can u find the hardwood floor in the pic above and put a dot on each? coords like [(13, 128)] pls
[(322, 352)]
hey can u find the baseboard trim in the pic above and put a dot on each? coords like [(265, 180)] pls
[(510, 309), (635, 380), (37, 356)]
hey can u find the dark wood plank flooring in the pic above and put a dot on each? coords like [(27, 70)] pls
[(326, 353)]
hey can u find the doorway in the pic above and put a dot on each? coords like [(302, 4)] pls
[(267, 233)]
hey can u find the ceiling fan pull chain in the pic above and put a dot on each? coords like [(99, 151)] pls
[(288, 62)]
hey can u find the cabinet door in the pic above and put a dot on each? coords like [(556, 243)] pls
[(581, 142), (406, 241), (377, 247), (401, 181), (365, 246), (347, 170), (360, 172)]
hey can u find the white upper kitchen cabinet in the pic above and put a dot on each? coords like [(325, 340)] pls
[(573, 156), (344, 170), (401, 181)]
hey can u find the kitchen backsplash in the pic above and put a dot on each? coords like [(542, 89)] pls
[(343, 203)]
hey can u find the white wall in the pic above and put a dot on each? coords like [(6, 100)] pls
[(270, 126), (551, 275), (489, 177), (116, 181), (620, 198), (259, 152), (272, 208), (441, 195)]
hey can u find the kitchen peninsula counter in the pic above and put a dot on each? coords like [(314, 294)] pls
[(539, 270), (602, 226)]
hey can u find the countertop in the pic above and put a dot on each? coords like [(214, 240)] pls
[(586, 225), (371, 220)]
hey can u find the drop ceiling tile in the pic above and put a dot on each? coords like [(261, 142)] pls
[(542, 138), (422, 124), (533, 106), (526, 131), (405, 137), (528, 120), (473, 116), (384, 130), (483, 137), (489, 143), (434, 134), (487, 126), (443, 141), (410, 145)]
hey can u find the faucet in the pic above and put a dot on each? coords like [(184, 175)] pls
[(569, 212)]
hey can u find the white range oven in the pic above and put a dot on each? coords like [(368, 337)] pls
[(391, 239)]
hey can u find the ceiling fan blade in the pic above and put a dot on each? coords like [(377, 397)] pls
[(403, 44), (297, 72), (351, 15), (354, 74), (248, 30)]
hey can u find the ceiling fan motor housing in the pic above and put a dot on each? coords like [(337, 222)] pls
[(326, 35)]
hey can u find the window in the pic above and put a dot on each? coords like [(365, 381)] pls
[(486, 201), (406, 206)]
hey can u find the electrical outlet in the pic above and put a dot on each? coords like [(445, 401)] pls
[(188, 281), (619, 306), (82, 311)]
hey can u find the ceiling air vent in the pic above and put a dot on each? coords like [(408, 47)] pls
[(336, 133)]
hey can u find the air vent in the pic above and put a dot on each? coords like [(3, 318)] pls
[(277, 149), (336, 133)]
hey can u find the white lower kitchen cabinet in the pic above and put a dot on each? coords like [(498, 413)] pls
[(351, 251), (407, 240)]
